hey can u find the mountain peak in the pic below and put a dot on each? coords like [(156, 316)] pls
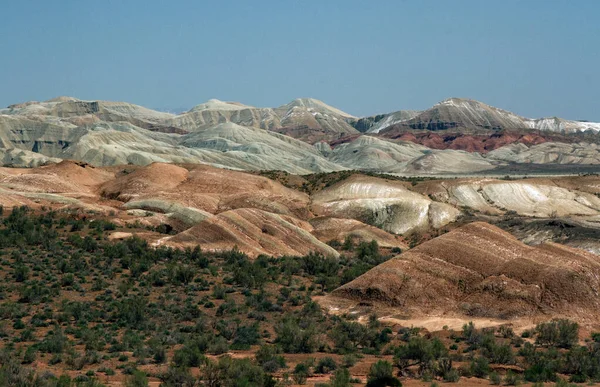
[(315, 104), (63, 98), (215, 104), (472, 104), (458, 102)]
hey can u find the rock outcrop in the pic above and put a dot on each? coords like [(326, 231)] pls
[(388, 205)]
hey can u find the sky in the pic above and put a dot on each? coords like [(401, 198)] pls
[(533, 57)]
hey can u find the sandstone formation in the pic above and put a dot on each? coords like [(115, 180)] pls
[(388, 205), (254, 232), (535, 198)]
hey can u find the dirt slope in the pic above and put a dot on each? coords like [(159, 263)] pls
[(206, 188), (254, 232), (327, 229), (479, 270)]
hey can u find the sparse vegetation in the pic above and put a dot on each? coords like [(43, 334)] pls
[(96, 309), (318, 181)]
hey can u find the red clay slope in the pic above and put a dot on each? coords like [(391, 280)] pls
[(481, 143), (479, 270)]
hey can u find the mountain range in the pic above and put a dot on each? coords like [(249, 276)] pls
[(455, 136)]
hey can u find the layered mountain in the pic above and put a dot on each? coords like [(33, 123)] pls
[(548, 153), (68, 111), (305, 118), (311, 120), (305, 136), (479, 270), (470, 115), (216, 112), (374, 124), (224, 145)]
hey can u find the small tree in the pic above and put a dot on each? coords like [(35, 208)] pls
[(420, 352)]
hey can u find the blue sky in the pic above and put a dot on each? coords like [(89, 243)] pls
[(534, 57)]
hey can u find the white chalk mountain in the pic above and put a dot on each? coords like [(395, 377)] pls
[(468, 114), (303, 136)]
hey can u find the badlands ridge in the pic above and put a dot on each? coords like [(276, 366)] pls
[(460, 263), (306, 177)]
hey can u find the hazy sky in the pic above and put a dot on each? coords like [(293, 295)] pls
[(534, 57)]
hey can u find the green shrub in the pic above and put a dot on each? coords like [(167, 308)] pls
[(14, 374), (160, 355), (480, 367), (188, 356), (340, 378), (564, 383), (269, 359), (54, 342), (381, 375), (301, 373), (245, 336), (177, 377), (349, 360), (542, 370), (526, 334), (294, 337), (325, 365), (19, 324), (137, 379), (452, 376), (238, 372), (498, 353), (560, 333), (218, 346), (21, 273), (495, 378), (512, 379), (30, 355)]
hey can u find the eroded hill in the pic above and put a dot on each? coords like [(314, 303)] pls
[(479, 270), (277, 213)]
